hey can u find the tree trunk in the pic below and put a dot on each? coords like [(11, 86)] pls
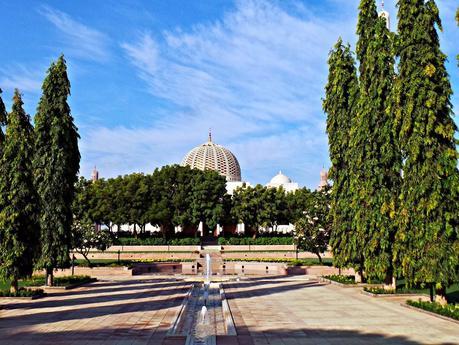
[(49, 277), (320, 258), (431, 290), (390, 282), (440, 296), (85, 255), (14, 288), (359, 275)]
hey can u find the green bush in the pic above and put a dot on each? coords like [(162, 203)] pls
[(348, 280), (261, 241), (39, 280), (449, 310), (22, 293), (125, 263), (290, 262), (157, 241), (186, 241), (380, 291)]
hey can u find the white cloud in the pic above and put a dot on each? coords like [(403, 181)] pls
[(80, 40), (21, 77), (256, 77)]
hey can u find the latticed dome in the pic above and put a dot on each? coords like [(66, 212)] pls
[(210, 156), (280, 179)]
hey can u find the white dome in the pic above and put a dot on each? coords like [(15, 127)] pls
[(210, 156), (280, 179)]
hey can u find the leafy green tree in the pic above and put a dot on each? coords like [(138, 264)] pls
[(254, 206), (85, 237), (297, 202), (82, 203), (170, 190), (207, 199), (137, 200), (366, 26), (312, 230), (457, 20), (18, 216), (341, 95), (56, 164), (427, 240), (375, 179), (3, 115)]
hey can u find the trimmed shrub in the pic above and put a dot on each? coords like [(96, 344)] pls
[(261, 241), (22, 293), (449, 310), (157, 241), (348, 280)]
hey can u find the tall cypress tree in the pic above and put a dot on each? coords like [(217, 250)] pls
[(366, 26), (427, 244), (341, 94), (56, 164), (18, 200), (376, 175), (3, 115)]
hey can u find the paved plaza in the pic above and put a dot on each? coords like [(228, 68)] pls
[(280, 311)]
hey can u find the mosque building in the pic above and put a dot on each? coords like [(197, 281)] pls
[(211, 156)]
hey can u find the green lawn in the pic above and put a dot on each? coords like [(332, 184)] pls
[(39, 280)]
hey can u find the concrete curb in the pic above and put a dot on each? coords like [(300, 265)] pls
[(430, 313), (347, 286), (398, 295), (68, 287), (23, 298)]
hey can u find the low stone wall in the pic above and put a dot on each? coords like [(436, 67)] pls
[(139, 256), (93, 271), (319, 270), (272, 255), (239, 268), (162, 267), (152, 249), (257, 247)]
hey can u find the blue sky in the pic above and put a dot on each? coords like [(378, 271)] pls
[(149, 78)]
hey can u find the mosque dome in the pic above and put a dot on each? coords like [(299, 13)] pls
[(280, 179), (210, 156)]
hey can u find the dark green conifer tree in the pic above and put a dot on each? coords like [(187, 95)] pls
[(3, 115), (427, 240), (18, 201), (376, 176), (341, 94), (56, 164), (366, 26)]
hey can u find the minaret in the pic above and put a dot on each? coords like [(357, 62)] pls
[(385, 15), (323, 179), (94, 175)]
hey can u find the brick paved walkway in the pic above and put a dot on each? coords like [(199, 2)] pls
[(284, 311), (131, 312), (299, 312)]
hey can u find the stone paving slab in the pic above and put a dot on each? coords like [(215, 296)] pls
[(266, 311), (134, 311), (291, 311)]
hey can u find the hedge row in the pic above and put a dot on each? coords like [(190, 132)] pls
[(449, 310), (157, 241), (261, 241), (22, 293)]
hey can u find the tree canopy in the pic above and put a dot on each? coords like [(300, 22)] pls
[(341, 95), (18, 200), (427, 247), (56, 164)]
